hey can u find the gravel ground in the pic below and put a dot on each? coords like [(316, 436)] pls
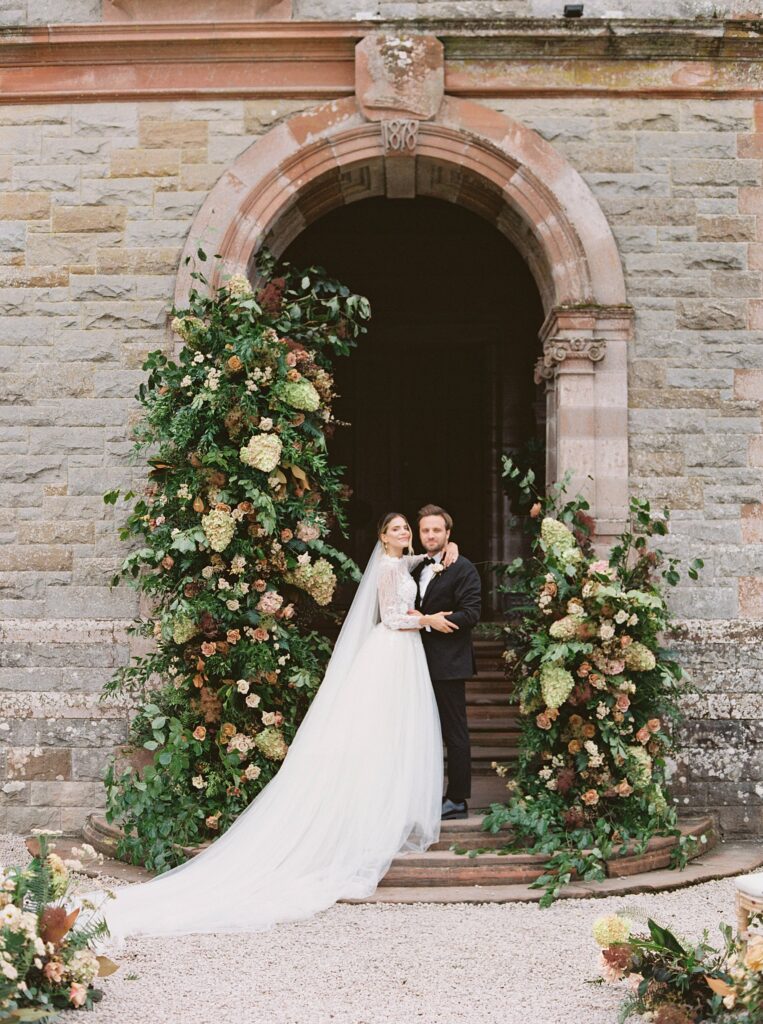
[(392, 964)]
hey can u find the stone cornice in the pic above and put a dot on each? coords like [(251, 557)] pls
[(316, 59)]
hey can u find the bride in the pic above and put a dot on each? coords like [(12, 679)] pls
[(362, 780)]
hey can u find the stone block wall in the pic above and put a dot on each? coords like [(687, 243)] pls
[(42, 12), (96, 201)]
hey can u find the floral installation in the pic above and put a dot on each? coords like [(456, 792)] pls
[(46, 961), (598, 696), (674, 981), (231, 551)]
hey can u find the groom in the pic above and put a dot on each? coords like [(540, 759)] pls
[(449, 651)]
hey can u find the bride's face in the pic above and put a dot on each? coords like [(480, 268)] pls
[(397, 535)]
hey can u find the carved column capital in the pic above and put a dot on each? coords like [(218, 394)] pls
[(558, 350)]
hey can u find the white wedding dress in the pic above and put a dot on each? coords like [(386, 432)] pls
[(361, 782)]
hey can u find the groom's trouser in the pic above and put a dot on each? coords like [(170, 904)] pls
[(451, 703)]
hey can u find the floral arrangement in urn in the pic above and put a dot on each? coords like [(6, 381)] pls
[(597, 694), (230, 550), (46, 961), (675, 981)]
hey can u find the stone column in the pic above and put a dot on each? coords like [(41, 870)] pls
[(584, 364)]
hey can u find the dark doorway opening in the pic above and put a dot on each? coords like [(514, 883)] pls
[(443, 382)]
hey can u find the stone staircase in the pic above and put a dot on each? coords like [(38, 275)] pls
[(493, 725)]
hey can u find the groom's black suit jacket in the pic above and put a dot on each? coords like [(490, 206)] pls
[(456, 589)]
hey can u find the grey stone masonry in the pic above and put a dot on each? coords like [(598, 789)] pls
[(96, 200), (43, 12)]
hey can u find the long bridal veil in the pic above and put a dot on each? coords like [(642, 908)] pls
[(361, 782)]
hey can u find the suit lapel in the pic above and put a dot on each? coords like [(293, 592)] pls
[(432, 583)]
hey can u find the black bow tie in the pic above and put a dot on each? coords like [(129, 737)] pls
[(429, 561)]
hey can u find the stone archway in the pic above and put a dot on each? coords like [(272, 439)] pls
[(402, 137)]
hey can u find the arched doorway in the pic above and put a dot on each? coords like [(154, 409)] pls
[(442, 384), (333, 155)]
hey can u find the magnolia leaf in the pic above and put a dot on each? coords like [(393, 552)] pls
[(106, 966), (55, 923), (719, 987), (301, 475)]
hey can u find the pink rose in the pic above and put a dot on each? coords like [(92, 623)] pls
[(77, 994), (643, 735), (260, 634), (654, 725), (260, 586), (543, 721), (623, 702), (208, 649)]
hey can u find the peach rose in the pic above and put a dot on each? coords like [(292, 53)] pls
[(623, 702), (208, 648), (543, 721), (78, 994), (536, 510), (199, 733), (643, 735), (589, 730), (654, 725), (590, 797), (260, 586), (54, 971), (260, 634), (574, 746)]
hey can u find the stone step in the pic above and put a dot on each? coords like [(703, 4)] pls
[(483, 756), (437, 867), (440, 867)]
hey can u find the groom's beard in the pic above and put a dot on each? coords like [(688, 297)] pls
[(434, 551)]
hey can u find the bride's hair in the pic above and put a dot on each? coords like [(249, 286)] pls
[(384, 523)]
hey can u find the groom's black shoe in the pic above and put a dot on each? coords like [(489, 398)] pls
[(451, 810)]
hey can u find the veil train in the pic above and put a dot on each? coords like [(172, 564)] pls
[(362, 781)]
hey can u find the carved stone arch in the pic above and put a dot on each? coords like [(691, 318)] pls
[(332, 155)]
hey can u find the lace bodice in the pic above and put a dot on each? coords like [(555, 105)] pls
[(397, 591)]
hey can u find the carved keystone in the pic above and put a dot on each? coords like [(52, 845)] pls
[(399, 76)]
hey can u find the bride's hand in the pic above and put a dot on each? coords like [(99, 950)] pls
[(451, 554)]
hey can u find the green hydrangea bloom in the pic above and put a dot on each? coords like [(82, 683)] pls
[(611, 929), (639, 658), (556, 534), (556, 684), (262, 452), (639, 767), (219, 527), (271, 743), (183, 628), (565, 629), (301, 395)]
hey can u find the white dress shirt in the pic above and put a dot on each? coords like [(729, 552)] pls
[(427, 573)]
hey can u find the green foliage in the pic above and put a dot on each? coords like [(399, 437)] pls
[(682, 982), (229, 548), (598, 695)]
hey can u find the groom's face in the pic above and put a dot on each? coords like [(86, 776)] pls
[(433, 533)]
